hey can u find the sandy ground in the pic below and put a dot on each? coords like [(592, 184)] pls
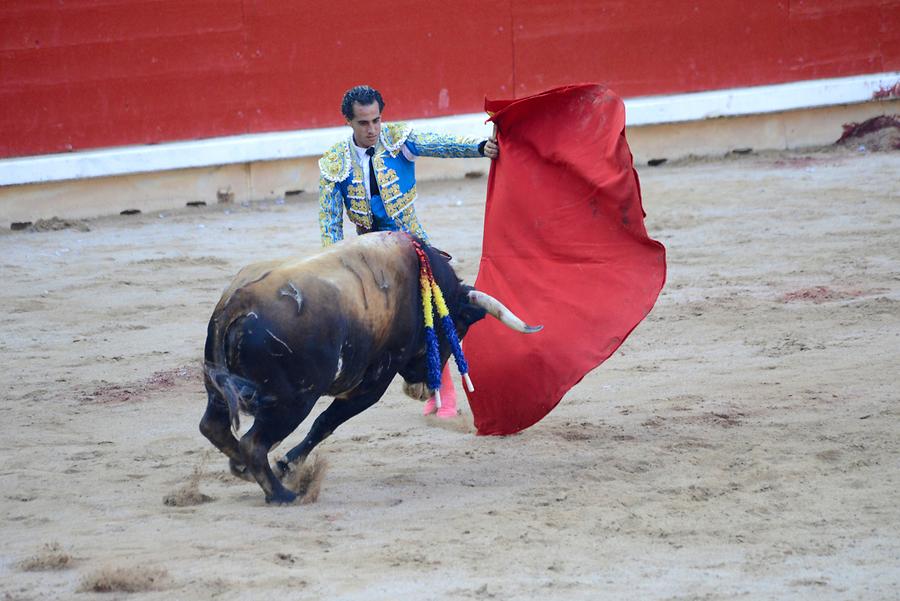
[(742, 444)]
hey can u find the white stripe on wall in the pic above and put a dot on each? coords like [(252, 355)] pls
[(648, 110)]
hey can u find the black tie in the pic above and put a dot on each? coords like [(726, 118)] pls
[(373, 181)]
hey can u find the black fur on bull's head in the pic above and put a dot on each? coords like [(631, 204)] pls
[(464, 314), (466, 306)]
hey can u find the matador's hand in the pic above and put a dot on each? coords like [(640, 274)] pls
[(491, 149)]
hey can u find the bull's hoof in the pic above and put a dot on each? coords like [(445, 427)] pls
[(282, 498), (239, 470)]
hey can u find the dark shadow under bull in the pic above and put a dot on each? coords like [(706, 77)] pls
[(342, 324)]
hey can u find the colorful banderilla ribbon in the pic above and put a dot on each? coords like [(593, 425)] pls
[(433, 299)]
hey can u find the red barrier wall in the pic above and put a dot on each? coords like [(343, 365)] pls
[(87, 74)]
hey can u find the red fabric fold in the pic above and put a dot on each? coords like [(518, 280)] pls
[(564, 246)]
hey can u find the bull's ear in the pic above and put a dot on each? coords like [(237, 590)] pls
[(468, 313)]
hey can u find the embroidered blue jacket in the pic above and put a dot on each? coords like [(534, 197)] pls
[(341, 182)]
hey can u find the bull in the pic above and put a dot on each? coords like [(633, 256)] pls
[(340, 324)]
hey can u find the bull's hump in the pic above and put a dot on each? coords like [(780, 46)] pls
[(383, 248), (387, 241), (371, 265)]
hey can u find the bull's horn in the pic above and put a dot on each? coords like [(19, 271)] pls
[(496, 308)]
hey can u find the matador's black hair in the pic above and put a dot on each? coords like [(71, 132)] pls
[(364, 95)]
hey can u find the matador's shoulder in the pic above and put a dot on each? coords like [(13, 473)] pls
[(393, 135), (335, 163)]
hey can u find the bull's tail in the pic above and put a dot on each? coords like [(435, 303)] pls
[(238, 392)]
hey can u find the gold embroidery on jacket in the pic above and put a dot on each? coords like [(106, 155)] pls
[(356, 191), (363, 219), (409, 222), (329, 212), (390, 193), (393, 136), (400, 202), (387, 178), (335, 163)]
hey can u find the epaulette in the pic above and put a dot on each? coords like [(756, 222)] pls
[(335, 163), (393, 135)]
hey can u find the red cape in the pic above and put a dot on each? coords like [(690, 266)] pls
[(564, 246)]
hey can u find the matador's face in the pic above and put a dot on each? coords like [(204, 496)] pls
[(366, 124)]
